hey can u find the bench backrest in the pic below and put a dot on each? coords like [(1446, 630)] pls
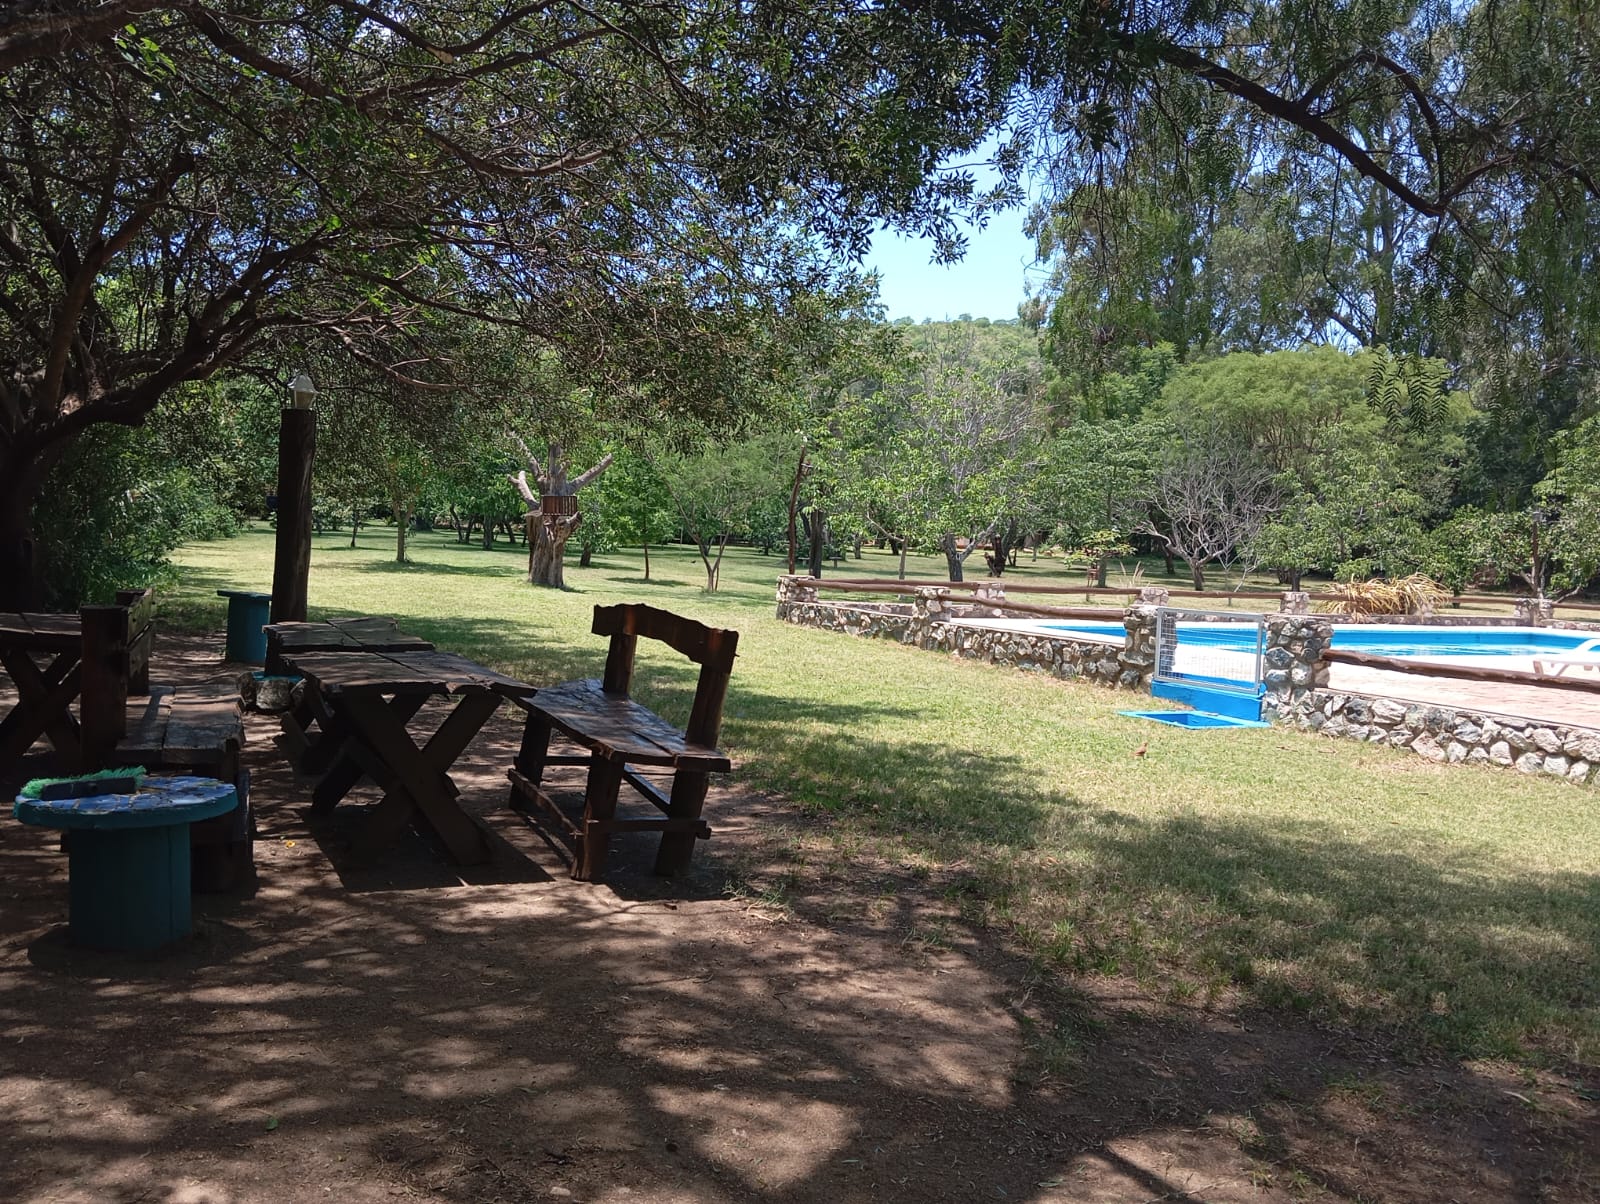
[(116, 663), (712, 648)]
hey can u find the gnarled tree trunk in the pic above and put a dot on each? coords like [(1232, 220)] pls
[(20, 585), (548, 533)]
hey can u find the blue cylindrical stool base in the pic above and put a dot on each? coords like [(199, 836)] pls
[(247, 615), (129, 887)]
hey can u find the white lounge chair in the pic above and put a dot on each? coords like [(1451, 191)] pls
[(1585, 656)]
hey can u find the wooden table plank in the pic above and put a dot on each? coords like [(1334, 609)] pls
[(30, 632)]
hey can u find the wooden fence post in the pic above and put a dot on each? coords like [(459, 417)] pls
[(103, 682), (291, 563)]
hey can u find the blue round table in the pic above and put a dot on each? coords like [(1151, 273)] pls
[(128, 858)]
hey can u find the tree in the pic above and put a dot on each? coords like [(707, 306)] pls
[(551, 522), (1348, 514), (717, 486), (1569, 505), (1213, 496), (1096, 486), (638, 508), (183, 188)]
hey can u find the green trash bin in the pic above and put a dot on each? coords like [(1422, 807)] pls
[(247, 615)]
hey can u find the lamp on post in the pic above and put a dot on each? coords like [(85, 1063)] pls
[(302, 392), (297, 447)]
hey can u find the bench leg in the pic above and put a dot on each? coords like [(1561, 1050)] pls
[(687, 801), (535, 748), (599, 808)]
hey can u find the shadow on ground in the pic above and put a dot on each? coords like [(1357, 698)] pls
[(510, 1035)]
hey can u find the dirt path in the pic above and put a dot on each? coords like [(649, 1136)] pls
[(399, 1031)]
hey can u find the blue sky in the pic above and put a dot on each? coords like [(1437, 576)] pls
[(986, 283)]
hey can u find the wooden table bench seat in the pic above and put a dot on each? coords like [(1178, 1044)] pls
[(620, 737), (198, 728)]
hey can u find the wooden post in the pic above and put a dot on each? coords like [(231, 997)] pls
[(291, 564), (103, 683)]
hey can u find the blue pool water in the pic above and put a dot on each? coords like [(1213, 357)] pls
[(1378, 639)]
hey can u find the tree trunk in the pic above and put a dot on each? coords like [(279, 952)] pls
[(587, 558), (19, 582), (488, 533), (1172, 569), (355, 522), (546, 559), (713, 567), (1197, 573), (1100, 571), (952, 556), (904, 544), (402, 527), (21, 560), (858, 547), (794, 501), (817, 531), (647, 562)]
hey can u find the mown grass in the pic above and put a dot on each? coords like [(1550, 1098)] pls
[(1458, 907)]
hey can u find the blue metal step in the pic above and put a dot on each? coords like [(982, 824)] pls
[(1203, 698)]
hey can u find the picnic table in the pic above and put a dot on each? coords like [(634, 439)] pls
[(366, 633), (364, 702), (44, 696)]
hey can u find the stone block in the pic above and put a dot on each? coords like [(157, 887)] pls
[(1468, 732), (1585, 745), (1545, 740), (1386, 710), (1455, 752), (1530, 762), (1578, 772), (1426, 746), (1556, 765), (1500, 752), (1477, 755)]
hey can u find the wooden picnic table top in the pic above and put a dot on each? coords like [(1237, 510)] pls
[(371, 633), (40, 632), (335, 673)]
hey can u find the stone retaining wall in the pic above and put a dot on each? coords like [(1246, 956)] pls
[(1444, 734), (926, 623), (1295, 677)]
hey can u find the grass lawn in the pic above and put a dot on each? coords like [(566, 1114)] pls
[(1457, 907)]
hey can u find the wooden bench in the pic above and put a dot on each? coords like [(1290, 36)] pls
[(621, 736), (191, 729)]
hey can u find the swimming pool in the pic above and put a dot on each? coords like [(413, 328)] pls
[(1379, 639)]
